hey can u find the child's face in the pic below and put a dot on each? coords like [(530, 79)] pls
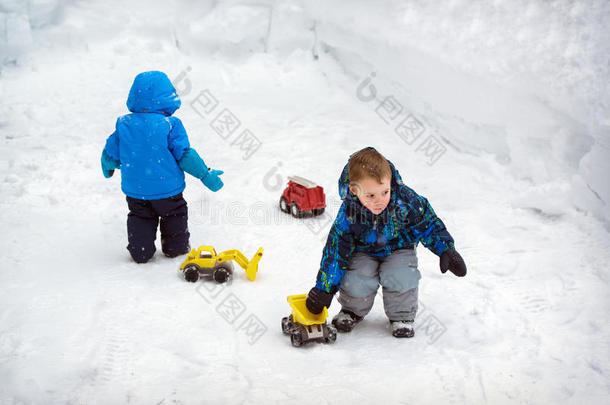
[(372, 195)]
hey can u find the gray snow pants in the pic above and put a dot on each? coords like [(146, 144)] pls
[(397, 274)]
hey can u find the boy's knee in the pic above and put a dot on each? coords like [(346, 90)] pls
[(141, 254), (359, 286), (140, 260), (400, 280)]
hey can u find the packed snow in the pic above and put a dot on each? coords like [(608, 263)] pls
[(497, 112)]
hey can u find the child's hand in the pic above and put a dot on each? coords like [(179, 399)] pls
[(109, 164), (317, 300), (212, 181), (451, 260)]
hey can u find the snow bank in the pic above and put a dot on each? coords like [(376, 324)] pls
[(526, 81), (18, 19)]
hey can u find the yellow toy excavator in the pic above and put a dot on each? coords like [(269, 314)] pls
[(205, 262)]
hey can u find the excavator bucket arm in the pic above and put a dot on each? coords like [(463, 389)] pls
[(251, 266)]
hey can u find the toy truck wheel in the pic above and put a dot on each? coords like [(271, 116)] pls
[(331, 334), (284, 205), (286, 324), (191, 273), (318, 211), (296, 338), (295, 211), (221, 274)]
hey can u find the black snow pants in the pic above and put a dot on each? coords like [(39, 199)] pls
[(142, 222)]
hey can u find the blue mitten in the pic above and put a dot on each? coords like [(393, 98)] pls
[(192, 163), (109, 164), (212, 181)]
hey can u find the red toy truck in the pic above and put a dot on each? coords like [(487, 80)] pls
[(302, 197)]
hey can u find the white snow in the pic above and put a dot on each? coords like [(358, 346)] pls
[(516, 93)]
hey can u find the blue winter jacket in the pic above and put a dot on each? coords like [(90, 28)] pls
[(407, 220), (149, 142)]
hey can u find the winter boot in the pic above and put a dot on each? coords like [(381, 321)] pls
[(402, 329), (345, 320)]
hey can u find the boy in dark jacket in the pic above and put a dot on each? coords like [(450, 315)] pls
[(373, 241), (152, 150)]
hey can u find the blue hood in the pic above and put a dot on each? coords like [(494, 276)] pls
[(153, 92)]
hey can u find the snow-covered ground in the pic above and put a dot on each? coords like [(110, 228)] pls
[(498, 113)]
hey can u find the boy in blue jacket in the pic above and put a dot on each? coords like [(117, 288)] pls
[(373, 241), (152, 150)]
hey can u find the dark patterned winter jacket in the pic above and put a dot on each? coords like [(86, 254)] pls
[(407, 220)]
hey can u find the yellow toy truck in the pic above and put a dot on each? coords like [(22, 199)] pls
[(205, 262), (303, 326)]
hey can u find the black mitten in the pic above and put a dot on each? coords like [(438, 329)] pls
[(317, 300), (451, 260)]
